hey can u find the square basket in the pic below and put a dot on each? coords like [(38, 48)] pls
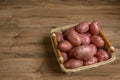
[(108, 45)]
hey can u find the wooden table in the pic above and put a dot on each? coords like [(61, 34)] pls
[(25, 48)]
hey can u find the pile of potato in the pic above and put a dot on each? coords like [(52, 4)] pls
[(82, 45)]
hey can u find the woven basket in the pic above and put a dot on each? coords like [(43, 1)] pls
[(60, 58)]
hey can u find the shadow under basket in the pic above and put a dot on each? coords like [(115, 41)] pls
[(108, 45)]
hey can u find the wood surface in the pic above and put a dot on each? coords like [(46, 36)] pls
[(25, 47)]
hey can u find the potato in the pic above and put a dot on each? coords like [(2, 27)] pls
[(70, 53), (73, 63), (85, 39), (93, 48), (64, 55), (73, 36), (82, 27), (82, 52), (102, 55), (59, 36), (97, 41), (65, 45), (94, 29), (91, 61)]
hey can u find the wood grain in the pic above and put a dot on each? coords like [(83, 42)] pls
[(25, 47)]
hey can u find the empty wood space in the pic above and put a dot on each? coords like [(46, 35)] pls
[(25, 48)]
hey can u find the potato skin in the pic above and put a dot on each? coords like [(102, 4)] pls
[(94, 28), (93, 48), (73, 63), (82, 52), (82, 27), (97, 41), (64, 45), (59, 36), (91, 61), (65, 56), (70, 53), (85, 39), (102, 55), (73, 36)]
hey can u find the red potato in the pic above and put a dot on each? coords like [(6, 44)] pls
[(59, 36), (94, 28), (70, 53), (85, 39), (82, 52), (65, 45), (102, 55), (65, 56), (97, 41), (73, 37), (73, 63), (82, 27), (93, 48), (91, 61)]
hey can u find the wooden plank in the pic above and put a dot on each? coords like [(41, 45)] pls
[(25, 48), (34, 42), (47, 68)]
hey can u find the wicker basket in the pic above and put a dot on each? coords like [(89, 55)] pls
[(60, 58)]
